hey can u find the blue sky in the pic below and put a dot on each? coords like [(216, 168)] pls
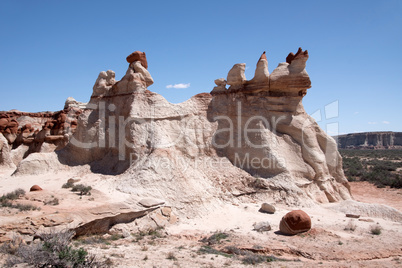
[(51, 50)]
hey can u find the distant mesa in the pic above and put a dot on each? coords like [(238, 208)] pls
[(370, 140)]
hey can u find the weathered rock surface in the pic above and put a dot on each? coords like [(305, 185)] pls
[(151, 202), (370, 140), (367, 210), (294, 222), (264, 129), (28, 133), (5, 153), (236, 77)]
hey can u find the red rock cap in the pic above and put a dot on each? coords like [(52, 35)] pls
[(138, 56), (299, 54)]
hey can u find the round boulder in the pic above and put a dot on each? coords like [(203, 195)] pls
[(35, 188), (294, 222), (267, 208)]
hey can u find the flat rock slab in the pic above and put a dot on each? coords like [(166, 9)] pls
[(353, 216), (151, 202)]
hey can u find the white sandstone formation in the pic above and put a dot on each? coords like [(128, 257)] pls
[(72, 103), (104, 83), (236, 77), (220, 85), (210, 147), (5, 155), (261, 75)]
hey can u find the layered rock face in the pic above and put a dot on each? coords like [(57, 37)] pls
[(213, 144), (370, 140), (27, 133), (264, 129)]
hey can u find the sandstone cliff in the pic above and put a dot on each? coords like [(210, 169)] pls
[(25, 133), (213, 145), (251, 139), (370, 140)]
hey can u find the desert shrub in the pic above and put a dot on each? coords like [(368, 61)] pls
[(53, 202), (250, 257), (253, 259), (351, 226), (210, 250), (215, 238), (375, 229), (14, 195), (83, 189), (53, 251), (171, 256), (368, 165)]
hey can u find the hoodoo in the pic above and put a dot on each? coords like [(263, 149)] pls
[(253, 137)]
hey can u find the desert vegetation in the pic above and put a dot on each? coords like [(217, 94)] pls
[(80, 188), (381, 167), (7, 200), (53, 250)]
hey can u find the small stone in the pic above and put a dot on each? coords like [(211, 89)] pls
[(366, 220), (166, 211), (35, 188), (151, 202), (72, 181), (267, 208), (262, 226)]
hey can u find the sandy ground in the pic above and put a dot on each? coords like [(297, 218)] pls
[(186, 243)]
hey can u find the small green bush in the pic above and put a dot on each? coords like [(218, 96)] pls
[(83, 189), (375, 229)]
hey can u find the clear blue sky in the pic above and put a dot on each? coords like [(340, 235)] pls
[(51, 50)]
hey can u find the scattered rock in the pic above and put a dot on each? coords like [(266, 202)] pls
[(72, 181), (267, 208), (294, 222), (166, 211), (262, 226), (120, 229), (366, 220), (35, 188), (353, 216), (151, 202)]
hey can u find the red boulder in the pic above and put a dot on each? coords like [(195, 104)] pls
[(35, 188), (296, 221)]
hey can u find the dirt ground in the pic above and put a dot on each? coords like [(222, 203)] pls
[(327, 244), (225, 237)]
